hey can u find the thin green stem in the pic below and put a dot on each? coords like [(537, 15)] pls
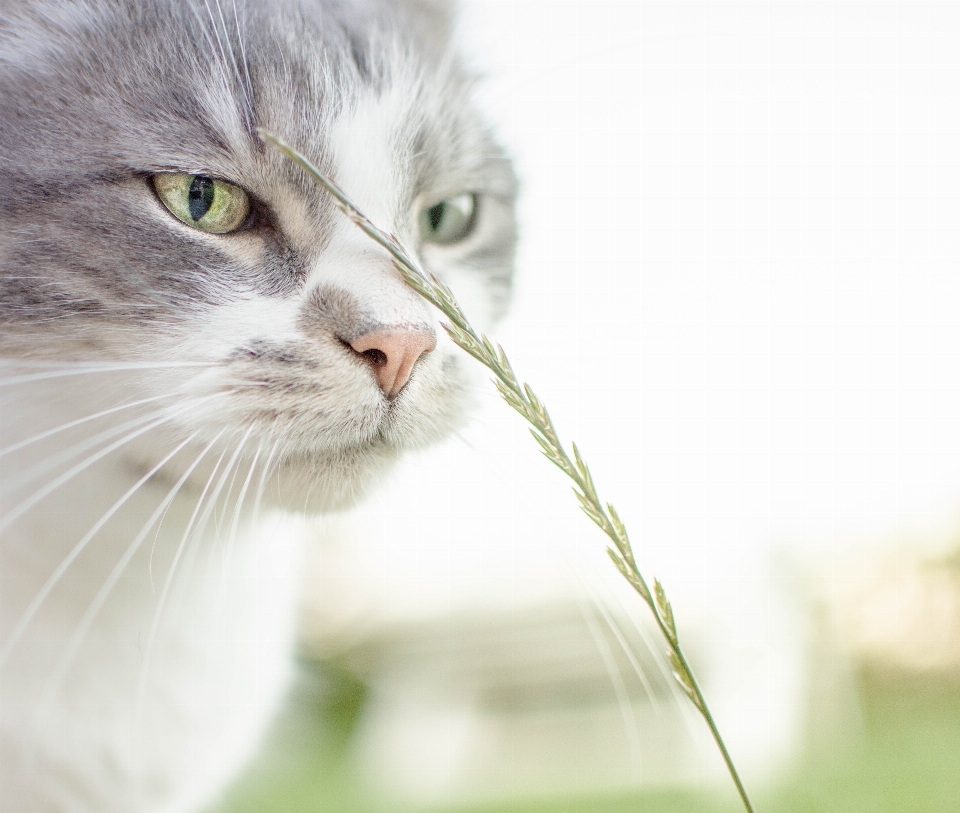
[(705, 711), (523, 399)]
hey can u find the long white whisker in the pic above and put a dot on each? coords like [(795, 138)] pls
[(201, 24), (690, 718), (196, 508), (619, 687), (624, 644), (53, 461), (221, 64), (219, 519), (243, 58), (82, 368), (83, 627), (190, 534), (216, 31), (27, 504), (176, 489), (231, 539), (193, 548), (212, 512), (69, 559), (80, 421), (236, 68), (243, 493), (263, 480)]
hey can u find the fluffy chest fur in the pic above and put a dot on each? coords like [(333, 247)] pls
[(175, 382)]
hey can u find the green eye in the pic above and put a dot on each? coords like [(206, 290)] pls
[(449, 221), (207, 204)]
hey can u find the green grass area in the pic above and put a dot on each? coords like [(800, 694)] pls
[(908, 758), (904, 759)]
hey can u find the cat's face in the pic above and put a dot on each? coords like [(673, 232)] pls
[(144, 221)]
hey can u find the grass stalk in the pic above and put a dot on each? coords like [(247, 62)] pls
[(523, 399)]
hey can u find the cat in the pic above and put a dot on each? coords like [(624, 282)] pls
[(199, 352)]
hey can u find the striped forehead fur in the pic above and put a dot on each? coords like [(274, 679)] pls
[(369, 89), (213, 86)]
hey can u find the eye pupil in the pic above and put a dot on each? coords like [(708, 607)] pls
[(449, 221), (203, 203), (435, 214), (200, 196)]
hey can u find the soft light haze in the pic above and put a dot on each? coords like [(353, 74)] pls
[(737, 291)]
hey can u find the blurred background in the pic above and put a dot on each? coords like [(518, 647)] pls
[(737, 290)]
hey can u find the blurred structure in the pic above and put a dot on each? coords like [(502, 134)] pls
[(737, 292), (564, 693), (899, 611), (485, 688)]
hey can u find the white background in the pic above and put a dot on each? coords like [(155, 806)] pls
[(737, 287), (737, 290)]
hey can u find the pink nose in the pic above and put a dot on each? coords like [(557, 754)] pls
[(393, 352)]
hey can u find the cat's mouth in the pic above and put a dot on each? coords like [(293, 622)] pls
[(320, 469), (321, 404), (302, 457), (314, 412)]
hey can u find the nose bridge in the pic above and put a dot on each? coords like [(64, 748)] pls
[(364, 273), (357, 298)]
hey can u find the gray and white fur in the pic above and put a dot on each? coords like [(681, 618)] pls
[(173, 401)]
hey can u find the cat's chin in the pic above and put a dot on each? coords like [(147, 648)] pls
[(333, 481), (320, 481)]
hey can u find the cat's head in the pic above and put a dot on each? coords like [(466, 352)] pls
[(144, 222)]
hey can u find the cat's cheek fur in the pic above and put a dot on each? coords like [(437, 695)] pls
[(304, 402)]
